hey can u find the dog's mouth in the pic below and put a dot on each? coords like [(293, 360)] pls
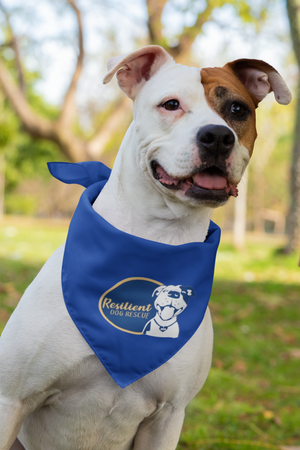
[(210, 183)]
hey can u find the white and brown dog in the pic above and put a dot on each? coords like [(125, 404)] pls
[(185, 152)]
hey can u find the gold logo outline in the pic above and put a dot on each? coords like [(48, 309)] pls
[(114, 287)]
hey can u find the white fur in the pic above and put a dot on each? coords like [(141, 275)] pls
[(51, 383)]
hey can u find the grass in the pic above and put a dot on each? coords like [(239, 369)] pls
[(24, 247), (252, 395)]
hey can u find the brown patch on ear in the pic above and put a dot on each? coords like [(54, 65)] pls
[(222, 87), (260, 78)]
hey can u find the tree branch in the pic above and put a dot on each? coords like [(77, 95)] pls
[(68, 108), (155, 9), (18, 63), (293, 10), (60, 131), (181, 51), (96, 145), (189, 34), (34, 124), (15, 47), (73, 148)]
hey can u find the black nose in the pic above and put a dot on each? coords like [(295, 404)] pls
[(216, 139)]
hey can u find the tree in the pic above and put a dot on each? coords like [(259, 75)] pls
[(240, 214), (293, 217), (61, 130), (64, 129)]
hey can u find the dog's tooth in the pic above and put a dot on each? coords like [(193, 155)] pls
[(234, 191)]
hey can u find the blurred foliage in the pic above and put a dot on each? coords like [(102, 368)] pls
[(25, 157), (5, 132), (28, 159)]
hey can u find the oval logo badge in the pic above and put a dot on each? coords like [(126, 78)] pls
[(129, 305)]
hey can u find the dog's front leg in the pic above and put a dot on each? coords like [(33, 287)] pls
[(12, 414), (161, 431)]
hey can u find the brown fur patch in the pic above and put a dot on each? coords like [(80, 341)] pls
[(222, 88)]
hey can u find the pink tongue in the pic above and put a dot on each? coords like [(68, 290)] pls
[(203, 180), (208, 181)]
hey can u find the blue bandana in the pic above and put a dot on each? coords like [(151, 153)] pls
[(136, 302)]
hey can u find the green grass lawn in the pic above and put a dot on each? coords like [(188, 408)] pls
[(252, 395)]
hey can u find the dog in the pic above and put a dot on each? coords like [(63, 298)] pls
[(191, 138), (169, 303)]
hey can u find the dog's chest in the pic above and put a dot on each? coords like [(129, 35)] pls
[(91, 407), (98, 414)]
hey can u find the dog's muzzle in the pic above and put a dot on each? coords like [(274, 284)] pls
[(208, 183), (167, 312), (215, 141)]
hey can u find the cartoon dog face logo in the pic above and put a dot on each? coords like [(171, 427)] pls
[(169, 303)]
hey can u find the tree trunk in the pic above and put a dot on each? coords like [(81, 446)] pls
[(2, 183), (240, 214), (293, 217), (259, 183)]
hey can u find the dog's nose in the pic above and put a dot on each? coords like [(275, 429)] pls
[(216, 139)]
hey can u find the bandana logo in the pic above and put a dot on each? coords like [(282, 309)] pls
[(144, 306)]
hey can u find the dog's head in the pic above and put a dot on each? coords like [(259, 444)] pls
[(170, 301), (194, 129)]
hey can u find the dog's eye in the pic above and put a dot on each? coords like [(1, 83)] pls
[(238, 110), (171, 105)]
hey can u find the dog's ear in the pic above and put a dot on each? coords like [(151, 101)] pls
[(134, 69), (188, 290), (259, 78), (157, 291)]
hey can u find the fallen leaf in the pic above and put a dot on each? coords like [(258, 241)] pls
[(264, 383), (288, 447), (239, 366), (218, 406), (4, 315), (13, 295), (268, 414), (278, 330), (288, 338), (294, 353), (218, 363), (278, 421)]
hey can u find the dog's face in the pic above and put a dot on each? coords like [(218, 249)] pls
[(172, 300), (195, 129), (197, 142)]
